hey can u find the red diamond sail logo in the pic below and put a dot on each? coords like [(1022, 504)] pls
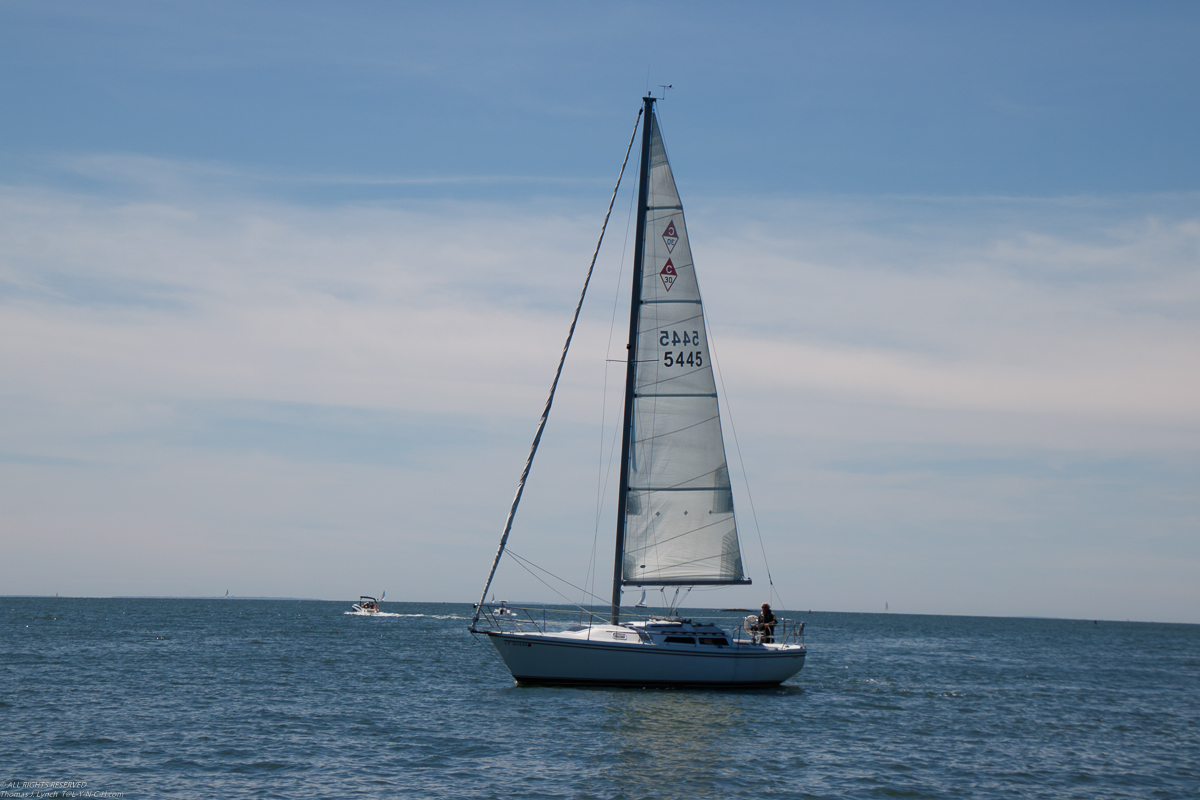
[(668, 275), (670, 236)]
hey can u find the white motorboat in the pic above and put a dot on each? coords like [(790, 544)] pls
[(366, 605)]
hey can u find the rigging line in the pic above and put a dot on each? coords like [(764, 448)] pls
[(603, 474), (677, 601), (569, 601), (590, 573), (612, 450), (529, 566), (550, 400), (737, 445), (652, 524), (589, 579)]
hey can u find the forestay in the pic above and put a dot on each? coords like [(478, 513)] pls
[(680, 526)]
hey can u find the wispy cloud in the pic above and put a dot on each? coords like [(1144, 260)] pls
[(170, 178), (899, 367), (972, 305)]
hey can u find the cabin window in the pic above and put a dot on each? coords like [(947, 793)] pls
[(719, 640), (679, 640)]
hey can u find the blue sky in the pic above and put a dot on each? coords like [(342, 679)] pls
[(282, 287)]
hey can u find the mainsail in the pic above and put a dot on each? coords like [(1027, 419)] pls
[(679, 522)]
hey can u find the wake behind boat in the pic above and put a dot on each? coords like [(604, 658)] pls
[(675, 519)]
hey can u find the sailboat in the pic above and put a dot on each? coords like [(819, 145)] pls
[(675, 518)]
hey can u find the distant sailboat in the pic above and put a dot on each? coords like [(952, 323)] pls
[(675, 519)]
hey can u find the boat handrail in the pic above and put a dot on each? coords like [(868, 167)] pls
[(787, 631), (502, 616)]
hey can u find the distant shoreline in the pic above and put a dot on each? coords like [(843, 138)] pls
[(896, 614)]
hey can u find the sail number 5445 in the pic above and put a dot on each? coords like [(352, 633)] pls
[(694, 358), (668, 338)]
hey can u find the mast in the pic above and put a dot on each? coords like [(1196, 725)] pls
[(631, 362)]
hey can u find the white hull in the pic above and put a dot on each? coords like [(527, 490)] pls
[(579, 660)]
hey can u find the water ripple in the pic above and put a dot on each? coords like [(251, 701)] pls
[(158, 698)]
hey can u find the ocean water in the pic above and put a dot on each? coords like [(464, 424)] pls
[(296, 699)]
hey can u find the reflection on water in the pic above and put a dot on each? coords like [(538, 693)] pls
[(679, 739)]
